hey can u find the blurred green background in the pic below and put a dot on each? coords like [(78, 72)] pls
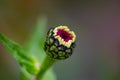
[(95, 22)]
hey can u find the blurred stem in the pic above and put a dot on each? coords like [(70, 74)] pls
[(47, 63)]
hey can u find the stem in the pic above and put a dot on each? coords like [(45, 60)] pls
[(47, 63)]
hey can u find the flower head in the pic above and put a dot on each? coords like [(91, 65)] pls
[(60, 42)]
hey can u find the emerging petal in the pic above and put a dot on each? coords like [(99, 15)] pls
[(64, 35)]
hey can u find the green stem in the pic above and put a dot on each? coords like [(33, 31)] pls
[(47, 63)]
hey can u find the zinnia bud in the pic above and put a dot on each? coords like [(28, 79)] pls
[(60, 42)]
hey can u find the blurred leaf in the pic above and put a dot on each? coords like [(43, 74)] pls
[(25, 75), (28, 62), (34, 49), (49, 75), (13, 48), (35, 45)]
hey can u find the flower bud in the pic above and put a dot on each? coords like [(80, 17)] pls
[(60, 42)]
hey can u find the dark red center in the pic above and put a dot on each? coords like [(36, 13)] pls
[(66, 36)]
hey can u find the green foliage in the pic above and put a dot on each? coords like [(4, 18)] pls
[(33, 55)]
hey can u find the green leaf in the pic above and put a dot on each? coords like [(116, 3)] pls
[(50, 75), (29, 63), (13, 48), (34, 51), (24, 75), (34, 46)]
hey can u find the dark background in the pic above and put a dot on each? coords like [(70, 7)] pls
[(95, 22)]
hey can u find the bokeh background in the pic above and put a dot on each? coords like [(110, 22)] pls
[(97, 26)]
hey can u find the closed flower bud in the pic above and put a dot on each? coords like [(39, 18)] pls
[(60, 42)]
